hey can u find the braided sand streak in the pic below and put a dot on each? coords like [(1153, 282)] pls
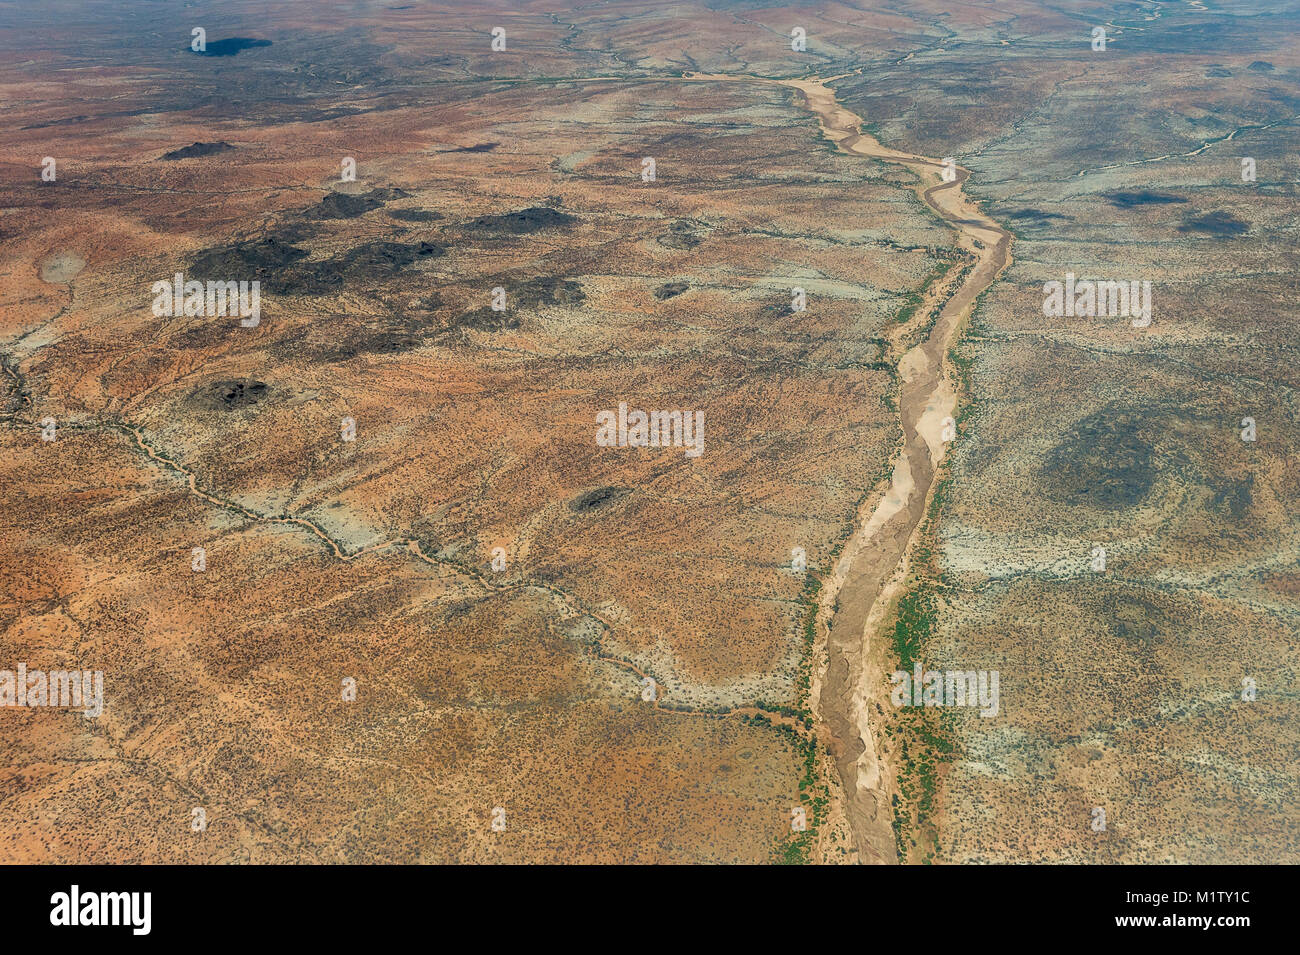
[(868, 575), (866, 579)]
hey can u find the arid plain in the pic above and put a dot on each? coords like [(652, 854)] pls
[(497, 585)]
